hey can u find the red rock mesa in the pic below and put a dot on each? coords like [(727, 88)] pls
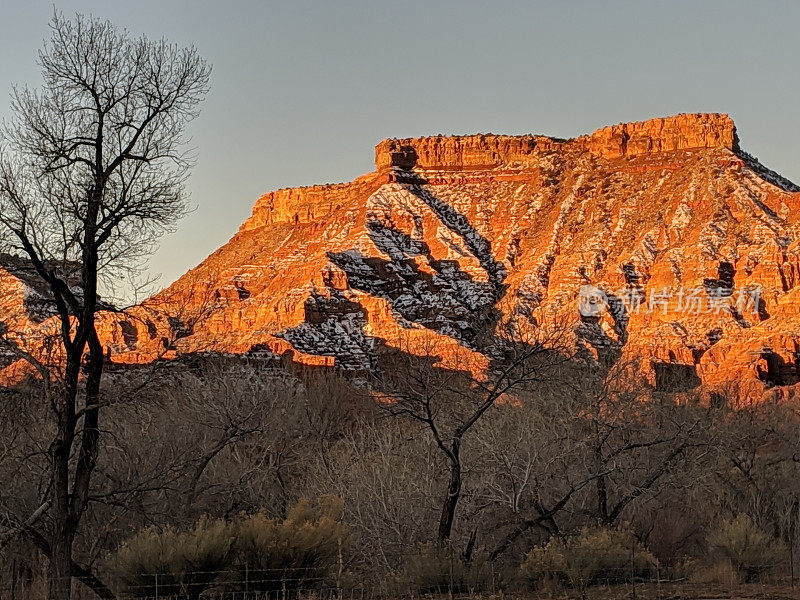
[(691, 246)]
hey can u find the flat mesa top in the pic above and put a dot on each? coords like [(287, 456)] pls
[(679, 132)]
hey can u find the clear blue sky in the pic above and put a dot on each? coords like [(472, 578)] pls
[(302, 91)]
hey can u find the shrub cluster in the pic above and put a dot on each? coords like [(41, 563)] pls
[(297, 552), (593, 555), (252, 552), (434, 569), (749, 550), (171, 562)]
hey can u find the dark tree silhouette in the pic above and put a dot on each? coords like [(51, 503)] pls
[(92, 172)]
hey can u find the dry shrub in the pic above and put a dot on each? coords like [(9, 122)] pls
[(723, 573), (171, 562), (748, 549), (296, 553), (434, 569), (594, 555), (683, 569), (253, 552)]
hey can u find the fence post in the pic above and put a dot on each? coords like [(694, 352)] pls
[(658, 581), (340, 569), (156, 576), (14, 579), (633, 567), (451, 576)]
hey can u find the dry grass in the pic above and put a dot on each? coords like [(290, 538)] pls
[(685, 590)]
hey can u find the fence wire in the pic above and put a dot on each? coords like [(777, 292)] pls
[(611, 584)]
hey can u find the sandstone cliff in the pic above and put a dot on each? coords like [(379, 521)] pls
[(693, 246)]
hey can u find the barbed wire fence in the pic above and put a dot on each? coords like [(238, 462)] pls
[(279, 584)]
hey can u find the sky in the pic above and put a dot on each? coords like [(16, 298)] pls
[(302, 91)]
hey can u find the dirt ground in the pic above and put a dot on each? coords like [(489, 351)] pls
[(672, 591)]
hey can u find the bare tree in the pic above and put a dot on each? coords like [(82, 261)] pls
[(391, 476), (450, 402), (92, 172), (637, 441), (758, 465), (531, 458)]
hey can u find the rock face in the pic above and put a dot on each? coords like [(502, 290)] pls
[(681, 132), (660, 241)]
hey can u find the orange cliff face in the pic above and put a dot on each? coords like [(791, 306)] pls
[(691, 246)]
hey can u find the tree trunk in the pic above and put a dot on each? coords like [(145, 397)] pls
[(61, 559), (66, 513), (453, 495), (79, 572), (62, 536), (62, 530), (602, 500), (90, 580)]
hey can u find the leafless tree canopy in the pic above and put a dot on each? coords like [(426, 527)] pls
[(92, 171), (96, 159)]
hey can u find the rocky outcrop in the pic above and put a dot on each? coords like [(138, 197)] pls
[(304, 205), (681, 132), (456, 152), (689, 248)]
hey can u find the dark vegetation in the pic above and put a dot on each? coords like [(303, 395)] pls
[(220, 476)]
